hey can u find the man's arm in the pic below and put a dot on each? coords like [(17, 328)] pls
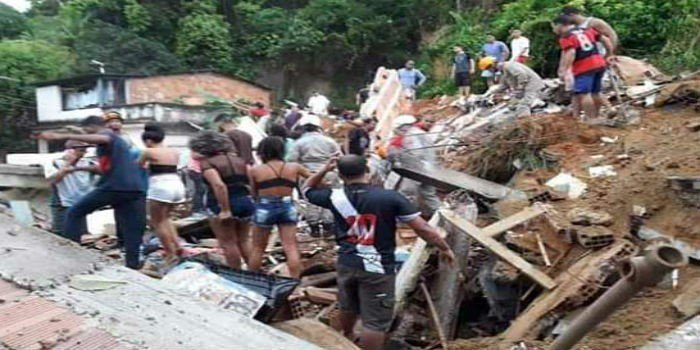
[(95, 169), (606, 30), (421, 78), (316, 180), (472, 66), (431, 235), (566, 62), (95, 139)]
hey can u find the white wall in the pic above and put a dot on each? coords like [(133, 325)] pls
[(50, 105)]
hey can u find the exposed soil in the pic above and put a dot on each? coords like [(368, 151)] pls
[(643, 156)]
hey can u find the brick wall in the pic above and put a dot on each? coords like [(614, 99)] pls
[(193, 89)]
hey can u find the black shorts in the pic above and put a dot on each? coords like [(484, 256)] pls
[(368, 294), (463, 79)]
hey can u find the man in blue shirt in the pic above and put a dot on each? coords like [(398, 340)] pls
[(120, 186), (499, 51), (411, 79), (366, 219), (462, 67)]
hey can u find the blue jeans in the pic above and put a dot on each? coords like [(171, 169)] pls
[(271, 211), (242, 206), (129, 213)]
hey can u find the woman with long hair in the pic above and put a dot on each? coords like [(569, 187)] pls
[(165, 188), (273, 184), (227, 200)]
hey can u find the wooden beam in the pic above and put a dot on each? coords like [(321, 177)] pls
[(516, 219), (407, 278), (498, 249)]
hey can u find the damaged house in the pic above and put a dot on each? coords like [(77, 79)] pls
[(169, 99)]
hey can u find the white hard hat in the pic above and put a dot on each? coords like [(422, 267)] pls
[(404, 119), (310, 119)]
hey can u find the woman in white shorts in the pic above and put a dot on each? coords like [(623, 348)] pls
[(165, 188)]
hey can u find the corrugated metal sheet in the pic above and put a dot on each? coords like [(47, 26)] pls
[(30, 322)]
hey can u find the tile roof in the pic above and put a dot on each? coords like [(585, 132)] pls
[(31, 322)]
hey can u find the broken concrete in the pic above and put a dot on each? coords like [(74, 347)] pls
[(22, 176)]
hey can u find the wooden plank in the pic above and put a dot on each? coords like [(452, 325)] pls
[(499, 249), (451, 180), (516, 219)]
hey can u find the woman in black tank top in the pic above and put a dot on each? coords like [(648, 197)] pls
[(273, 185), (228, 199)]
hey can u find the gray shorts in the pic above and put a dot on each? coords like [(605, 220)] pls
[(368, 294)]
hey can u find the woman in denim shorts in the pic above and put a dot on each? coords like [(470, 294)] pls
[(227, 200), (273, 184)]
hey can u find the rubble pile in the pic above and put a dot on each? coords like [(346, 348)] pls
[(597, 193)]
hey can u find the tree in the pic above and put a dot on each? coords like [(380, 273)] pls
[(12, 23), (122, 51), (137, 16), (203, 39), (25, 62)]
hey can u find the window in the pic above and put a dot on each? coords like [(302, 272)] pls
[(99, 93)]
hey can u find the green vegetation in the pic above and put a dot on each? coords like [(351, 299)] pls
[(336, 43), (665, 32)]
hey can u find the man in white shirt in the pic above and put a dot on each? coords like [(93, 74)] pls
[(71, 178), (318, 104), (519, 46)]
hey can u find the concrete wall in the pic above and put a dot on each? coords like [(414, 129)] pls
[(193, 89)]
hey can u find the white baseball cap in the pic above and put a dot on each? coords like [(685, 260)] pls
[(310, 119), (404, 119)]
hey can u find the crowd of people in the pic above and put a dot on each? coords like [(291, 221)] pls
[(246, 196), (587, 44)]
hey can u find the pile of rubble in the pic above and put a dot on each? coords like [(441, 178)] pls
[(593, 195)]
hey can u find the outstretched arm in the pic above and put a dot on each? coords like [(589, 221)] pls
[(431, 235), (94, 139)]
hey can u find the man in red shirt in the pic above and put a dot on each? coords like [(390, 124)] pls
[(581, 65)]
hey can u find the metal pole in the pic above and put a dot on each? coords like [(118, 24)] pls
[(637, 273)]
